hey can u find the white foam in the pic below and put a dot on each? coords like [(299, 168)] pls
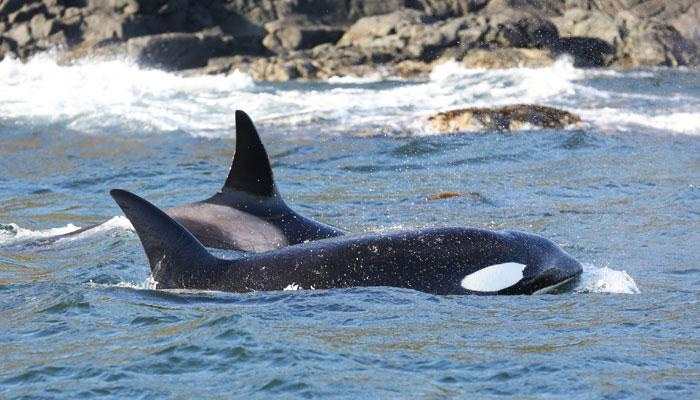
[(606, 280), (148, 284), (494, 277), (115, 223), (93, 95), (117, 96), (348, 79), (681, 122), (13, 233)]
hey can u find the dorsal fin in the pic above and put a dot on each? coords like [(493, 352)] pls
[(173, 252), (250, 170)]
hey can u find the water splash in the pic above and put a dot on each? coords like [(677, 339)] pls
[(143, 101), (606, 280), (119, 222), (13, 233)]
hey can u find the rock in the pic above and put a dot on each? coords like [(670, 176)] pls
[(597, 39), (648, 43), (577, 22), (101, 26), (288, 34), (507, 58), (502, 118), (8, 7), (177, 51), (20, 34), (412, 69), (41, 27), (443, 196), (26, 13), (366, 30), (449, 8), (520, 29), (688, 23)]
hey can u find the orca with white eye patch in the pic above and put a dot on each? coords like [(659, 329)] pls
[(440, 260)]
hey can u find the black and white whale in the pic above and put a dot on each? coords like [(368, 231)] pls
[(440, 261), (248, 214)]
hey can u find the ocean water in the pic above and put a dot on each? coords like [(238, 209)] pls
[(79, 318)]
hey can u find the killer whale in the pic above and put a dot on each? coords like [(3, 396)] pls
[(440, 260), (248, 213)]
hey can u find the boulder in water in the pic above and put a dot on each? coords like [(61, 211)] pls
[(506, 118)]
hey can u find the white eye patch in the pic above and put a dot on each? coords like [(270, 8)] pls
[(494, 277)]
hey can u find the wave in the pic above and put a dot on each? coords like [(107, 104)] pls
[(687, 123), (118, 96)]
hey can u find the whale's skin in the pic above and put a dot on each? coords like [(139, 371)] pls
[(434, 260)]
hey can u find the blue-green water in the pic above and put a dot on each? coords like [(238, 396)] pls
[(620, 193)]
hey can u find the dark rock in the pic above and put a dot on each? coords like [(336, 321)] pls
[(521, 29), (26, 13), (292, 34), (503, 118), (588, 52), (177, 51), (8, 7)]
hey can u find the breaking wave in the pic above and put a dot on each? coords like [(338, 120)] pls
[(117, 96)]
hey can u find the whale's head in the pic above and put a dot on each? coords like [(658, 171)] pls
[(531, 265)]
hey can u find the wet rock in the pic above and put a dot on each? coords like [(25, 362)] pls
[(177, 51), (508, 58), (505, 118)]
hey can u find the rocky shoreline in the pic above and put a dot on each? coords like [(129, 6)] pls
[(279, 40)]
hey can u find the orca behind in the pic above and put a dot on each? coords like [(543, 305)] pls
[(248, 213), (439, 261)]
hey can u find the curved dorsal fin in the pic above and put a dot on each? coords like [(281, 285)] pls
[(173, 252), (250, 170)]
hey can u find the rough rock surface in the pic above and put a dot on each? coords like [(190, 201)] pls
[(507, 118), (315, 39)]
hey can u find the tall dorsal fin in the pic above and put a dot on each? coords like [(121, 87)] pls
[(173, 252), (250, 170)]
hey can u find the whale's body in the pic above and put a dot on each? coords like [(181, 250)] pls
[(248, 214), (440, 260)]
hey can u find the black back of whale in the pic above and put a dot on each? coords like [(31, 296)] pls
[(248, 214), (430, 260)]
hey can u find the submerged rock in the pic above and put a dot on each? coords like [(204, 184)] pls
[(506, 118)]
